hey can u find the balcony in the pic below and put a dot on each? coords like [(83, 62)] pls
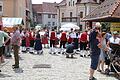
[(69, 19)]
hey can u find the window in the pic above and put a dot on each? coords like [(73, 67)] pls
[(70, 14), (73, 3), (78, 1), (49, 15), (81, 14), (53, 16), (69, 3), (53, 23), (62, 15), (95, 0), (0, 8), (49, 24), (39, 15)]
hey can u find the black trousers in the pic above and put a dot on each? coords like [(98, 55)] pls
[(52, 43), (62, 43), (31, 43), (83, 45), (1, 51)]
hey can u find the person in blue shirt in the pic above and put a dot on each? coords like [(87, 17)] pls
[(95, 50)]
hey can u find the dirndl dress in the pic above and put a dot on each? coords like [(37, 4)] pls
[(38, 44)]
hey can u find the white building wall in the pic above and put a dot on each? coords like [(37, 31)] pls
[(45, 20), (76, 9)]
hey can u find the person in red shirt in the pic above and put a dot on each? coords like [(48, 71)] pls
[(31, 39), (83, 41), (52, 41), (63, 40)]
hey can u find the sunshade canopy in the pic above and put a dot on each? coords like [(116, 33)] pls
[(68, 26), (10, 22)]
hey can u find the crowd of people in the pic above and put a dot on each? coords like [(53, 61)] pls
[(33, 41)]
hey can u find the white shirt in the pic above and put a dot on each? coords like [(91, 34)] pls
[(114, 41), (73, 35)]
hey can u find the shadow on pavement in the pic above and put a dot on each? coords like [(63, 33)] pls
[(20, 58), (72, 58), (4, 75), (18, 70)]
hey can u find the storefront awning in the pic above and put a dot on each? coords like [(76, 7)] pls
[(108, 11), (10, 22)]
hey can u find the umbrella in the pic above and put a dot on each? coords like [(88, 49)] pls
[(68, 27)]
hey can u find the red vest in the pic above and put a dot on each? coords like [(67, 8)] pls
[(70, 39), (31, 37), (63, 36), (52, 37), (83, 37)]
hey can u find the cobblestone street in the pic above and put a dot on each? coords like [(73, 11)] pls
[(60, 68)]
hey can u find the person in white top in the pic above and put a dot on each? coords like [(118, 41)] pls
[(114, 39)]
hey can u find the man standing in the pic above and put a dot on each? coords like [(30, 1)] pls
[(83, 43), (63, 40), (16, 46), (95, 50), (52, 41), (2, 42)]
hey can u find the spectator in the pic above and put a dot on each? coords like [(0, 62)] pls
[(16, 45), (103, 54), (95, 50), (2, 42)]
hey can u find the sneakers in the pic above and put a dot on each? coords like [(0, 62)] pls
[(14, 66), (93, 78)]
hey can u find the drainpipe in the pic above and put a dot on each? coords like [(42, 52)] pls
[(14, 8), (85, 12)]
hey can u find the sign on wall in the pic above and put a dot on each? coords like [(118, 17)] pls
[(115, 27)]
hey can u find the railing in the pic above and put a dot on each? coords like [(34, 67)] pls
[(69, 19)]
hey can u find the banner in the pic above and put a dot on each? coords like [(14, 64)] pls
[(115, 27)]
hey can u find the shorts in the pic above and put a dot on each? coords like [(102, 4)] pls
[(1, 51), (94, 61)]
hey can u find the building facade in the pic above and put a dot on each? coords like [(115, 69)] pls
[(45, 14), (1, 12), (18, 9), (72, 11)]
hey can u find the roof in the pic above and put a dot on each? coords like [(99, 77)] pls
[(49, 7), (45, 8), (62, 3), (37, 7), (108, 11), (88, 1)]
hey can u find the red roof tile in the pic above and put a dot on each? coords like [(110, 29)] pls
[(49, 7), (37, 7), (45, 8), (108, 9)]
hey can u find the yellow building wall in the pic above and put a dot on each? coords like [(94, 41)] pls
[(115, 27)]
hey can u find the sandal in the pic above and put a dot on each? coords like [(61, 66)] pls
[(99, 70)]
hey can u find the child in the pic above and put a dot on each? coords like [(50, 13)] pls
[(38, 44)]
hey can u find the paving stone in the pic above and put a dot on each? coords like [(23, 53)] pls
[(53, 68)]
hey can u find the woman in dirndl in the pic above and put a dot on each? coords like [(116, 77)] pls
[(38, 44)]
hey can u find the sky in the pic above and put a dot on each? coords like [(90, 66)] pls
[(40, 1)]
